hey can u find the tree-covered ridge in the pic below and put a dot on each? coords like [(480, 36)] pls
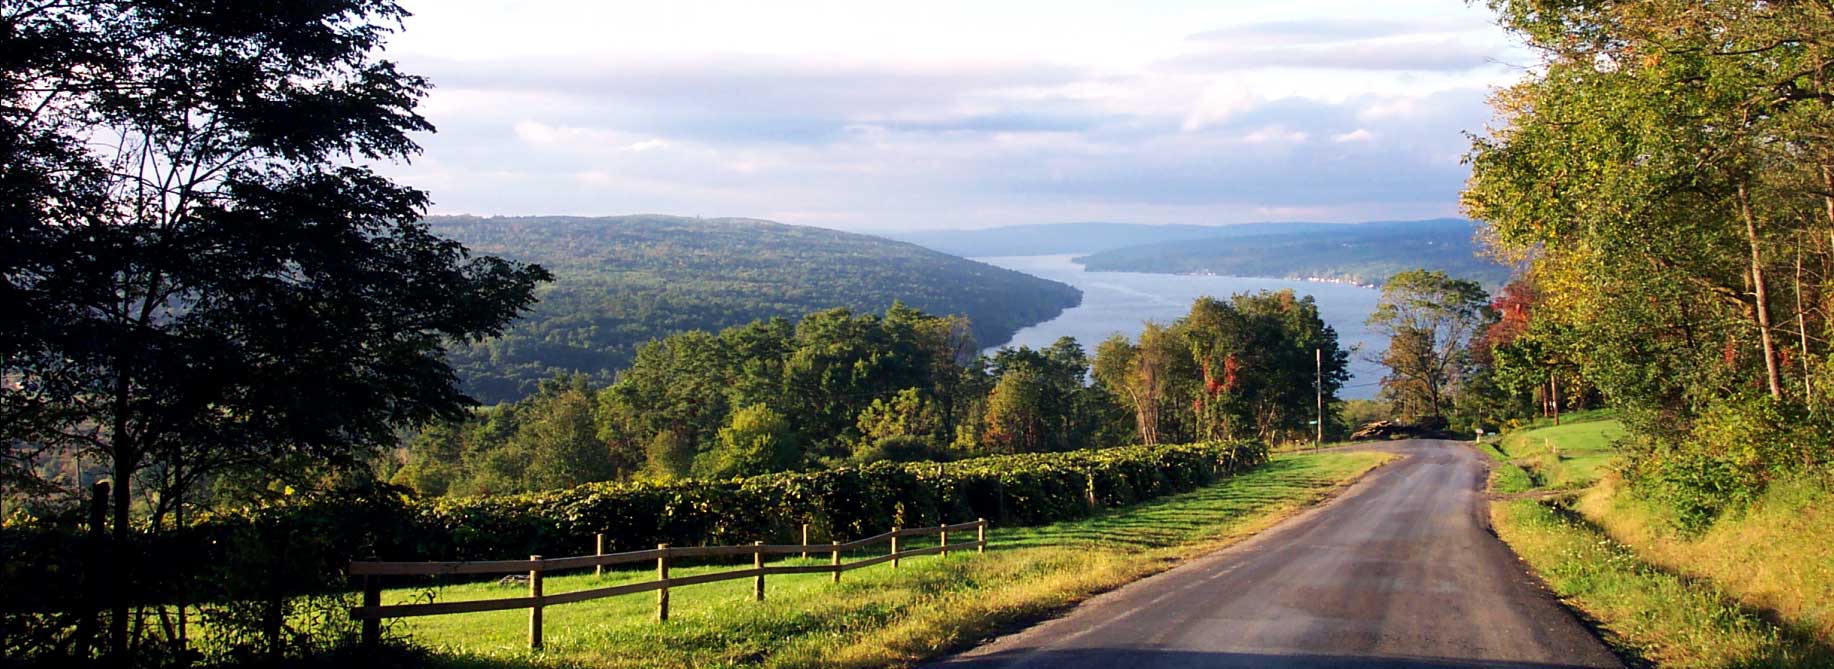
[(1058, 238), (1363, 253), (625, 280)]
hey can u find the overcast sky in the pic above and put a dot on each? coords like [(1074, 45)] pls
[(880, 116)]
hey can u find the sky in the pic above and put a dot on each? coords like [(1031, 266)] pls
[(876, 116)]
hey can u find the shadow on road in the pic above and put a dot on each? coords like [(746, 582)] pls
[(1138, 658)]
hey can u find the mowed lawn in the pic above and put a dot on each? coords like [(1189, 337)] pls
[(1568, 456), (877, 616)]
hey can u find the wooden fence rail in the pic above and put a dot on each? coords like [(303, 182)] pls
[(372, 612)]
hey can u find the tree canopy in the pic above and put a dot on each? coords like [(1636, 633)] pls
[(1670, 174), (200, 273)]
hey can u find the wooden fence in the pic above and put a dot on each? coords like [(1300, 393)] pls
[(372, 612)]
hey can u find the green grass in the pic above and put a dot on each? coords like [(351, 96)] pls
[(880, 616), (1569, 456), (1660, 599)]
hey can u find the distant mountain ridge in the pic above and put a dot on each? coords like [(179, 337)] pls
[(1363, 253), (621, 281), (1060, 238)]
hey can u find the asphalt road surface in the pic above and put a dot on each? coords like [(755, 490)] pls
[(1400, 571)]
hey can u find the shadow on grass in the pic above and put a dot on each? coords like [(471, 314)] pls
[(1807, 648)]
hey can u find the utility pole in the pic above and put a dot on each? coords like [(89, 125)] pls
[(1318, 383)]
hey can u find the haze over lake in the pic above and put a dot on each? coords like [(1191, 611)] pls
[(1123, 301)]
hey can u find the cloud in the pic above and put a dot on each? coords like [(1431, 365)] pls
[(1312, 30), (1327, 119), (1410, 54)]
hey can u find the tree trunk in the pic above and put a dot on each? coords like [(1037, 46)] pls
[(121, 557), (1802, 331), (1772, 377), (1553, 386)]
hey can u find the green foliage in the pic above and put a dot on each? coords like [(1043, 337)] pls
[(1353, 414), (1248, 366), (848, 501), (1430, 320), (627, 280), (207, 285), (1734, 450), (908, 427), (756, 441), (1669, 173), (1362, 253)]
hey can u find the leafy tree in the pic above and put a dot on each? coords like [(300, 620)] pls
[(908, 416), (200, 274), (1018, 416), (1138, 373), (757, 441), (561, 438), (1429, 319), (1050, 400)]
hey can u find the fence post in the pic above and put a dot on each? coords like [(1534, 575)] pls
[(757, 562), (894, 548), (942, 537), (535, 594), (805, 541), (599, 550), (372, 598), (836, 561), (980, 535), (662, 574)]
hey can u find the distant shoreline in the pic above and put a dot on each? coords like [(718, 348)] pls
[(1309, 279)]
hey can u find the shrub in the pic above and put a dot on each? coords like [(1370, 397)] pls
[(1727, 458)]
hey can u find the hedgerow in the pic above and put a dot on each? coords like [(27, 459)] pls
[(289, 550), (838, 504)]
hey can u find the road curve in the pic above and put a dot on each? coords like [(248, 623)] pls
[(1400, 571)]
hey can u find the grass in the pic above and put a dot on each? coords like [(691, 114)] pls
[(1662, 599), (879, 616), (1775, 557), (1569, 456)]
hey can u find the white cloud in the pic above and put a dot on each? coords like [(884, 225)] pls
[(872, 116), (1275, 135)]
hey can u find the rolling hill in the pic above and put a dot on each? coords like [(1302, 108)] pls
[(1364, 253), (1060, 238), (621, 281)]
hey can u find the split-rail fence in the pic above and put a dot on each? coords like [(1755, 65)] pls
[(372, 611)]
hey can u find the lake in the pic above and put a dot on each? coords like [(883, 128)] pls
[(1123, 301)]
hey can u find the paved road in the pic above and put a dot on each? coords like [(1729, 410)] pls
[(1400, 571)]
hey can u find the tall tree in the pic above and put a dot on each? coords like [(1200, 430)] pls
[(1429, 319), (199, 271)]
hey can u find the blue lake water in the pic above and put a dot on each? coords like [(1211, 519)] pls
[(1123, 301)]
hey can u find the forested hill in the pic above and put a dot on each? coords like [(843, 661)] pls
[(621, 281), (1058, 238), (1366, 253)]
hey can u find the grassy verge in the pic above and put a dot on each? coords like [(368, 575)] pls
[(881, 616), (1661, 599)]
